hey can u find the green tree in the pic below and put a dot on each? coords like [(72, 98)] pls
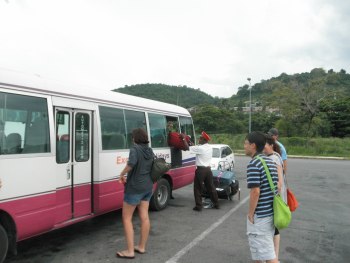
[(263, 121), (309, 96), (284, 99), (338, 113), (216, 120), (206, 118)]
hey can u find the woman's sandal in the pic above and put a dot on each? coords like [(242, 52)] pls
[(121, 255), (137, 250)]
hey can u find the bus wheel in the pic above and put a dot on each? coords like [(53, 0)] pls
[(4, 243), (161, 195)]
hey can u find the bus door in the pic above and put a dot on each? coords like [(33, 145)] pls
[(74, 163)]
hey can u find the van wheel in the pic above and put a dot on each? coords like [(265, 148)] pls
[(161, 195), (4, 243)]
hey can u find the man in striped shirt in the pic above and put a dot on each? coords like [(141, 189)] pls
[(260, 228)]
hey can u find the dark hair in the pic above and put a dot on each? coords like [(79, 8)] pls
[(271, 141), (273, 131), (140, 136), (258, 138)]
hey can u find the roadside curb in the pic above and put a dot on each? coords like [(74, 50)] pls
[(318, 157), (309, 157)]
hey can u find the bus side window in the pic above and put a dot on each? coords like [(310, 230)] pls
[(26, 125), (2, 137), (62, 137), (63, 149), (37, 135), (112, 128), (82, 137), (157, 124), (187, 127), (172, 125), (116, 141), (13, 143), (133, 120)]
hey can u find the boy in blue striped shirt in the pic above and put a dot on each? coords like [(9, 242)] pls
[(260, 228)]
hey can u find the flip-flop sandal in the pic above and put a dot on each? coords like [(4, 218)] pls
[(121, 255), (139, 251)]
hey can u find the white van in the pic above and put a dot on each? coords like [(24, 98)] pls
[(222, 156)]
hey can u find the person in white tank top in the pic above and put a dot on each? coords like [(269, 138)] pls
[(271, 150)]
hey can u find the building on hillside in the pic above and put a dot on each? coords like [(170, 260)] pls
[(256, 107)]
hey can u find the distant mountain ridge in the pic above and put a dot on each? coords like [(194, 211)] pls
[(178, 95), (310, 104), (265, 92)]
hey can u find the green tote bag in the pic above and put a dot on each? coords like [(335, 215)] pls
[(281, 212)]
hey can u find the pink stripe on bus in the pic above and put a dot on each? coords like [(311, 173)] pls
[(41, 213)]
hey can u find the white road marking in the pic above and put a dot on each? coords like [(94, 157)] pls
[(119, 239), (195, 241)]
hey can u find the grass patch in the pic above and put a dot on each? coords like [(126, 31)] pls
[(326, 147)]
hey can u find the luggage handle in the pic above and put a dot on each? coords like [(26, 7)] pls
[(222, 166)]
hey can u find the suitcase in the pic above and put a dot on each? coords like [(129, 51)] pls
[(225, 183), (174, 140)]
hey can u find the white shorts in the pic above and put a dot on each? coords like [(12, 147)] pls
[(260, 237)]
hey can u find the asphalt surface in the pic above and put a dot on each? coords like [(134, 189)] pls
[(319, 232)]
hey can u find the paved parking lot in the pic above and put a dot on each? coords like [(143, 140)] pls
[(319, 231)]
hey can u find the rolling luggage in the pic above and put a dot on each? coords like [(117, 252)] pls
[(225, 183), (174, 140)]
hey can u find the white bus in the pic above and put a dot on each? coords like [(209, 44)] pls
[(62, 149)]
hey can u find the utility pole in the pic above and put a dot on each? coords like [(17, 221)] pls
[(250, 105)]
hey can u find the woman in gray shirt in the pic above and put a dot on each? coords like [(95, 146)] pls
[(137, 193)]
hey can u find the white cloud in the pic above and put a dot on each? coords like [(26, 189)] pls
[(211, 45)]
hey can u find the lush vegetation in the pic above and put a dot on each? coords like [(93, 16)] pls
[(311, 110), (335, 147), (178, 95), (314, 104)]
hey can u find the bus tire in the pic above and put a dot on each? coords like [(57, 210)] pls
[(161, 195), (4, 243)]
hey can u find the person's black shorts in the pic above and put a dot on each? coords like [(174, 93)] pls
[(276, 232)]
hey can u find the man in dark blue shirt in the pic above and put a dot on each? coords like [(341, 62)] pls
[(260, 228)]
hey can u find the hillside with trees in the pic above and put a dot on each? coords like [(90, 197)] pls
[(178, 95), (310, 104)]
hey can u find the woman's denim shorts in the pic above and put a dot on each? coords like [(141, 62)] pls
[(135, 199)]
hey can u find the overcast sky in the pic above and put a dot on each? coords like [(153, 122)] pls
[(211, 45)]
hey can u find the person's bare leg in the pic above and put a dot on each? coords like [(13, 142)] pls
[(145, 225), (267, 261), (276, 243), (272, 260), (128, 211)]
